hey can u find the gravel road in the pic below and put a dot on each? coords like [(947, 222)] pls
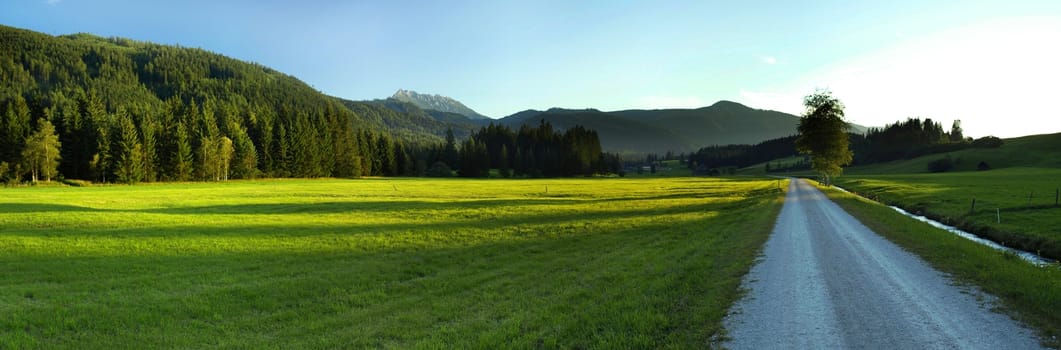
[(825, 281)]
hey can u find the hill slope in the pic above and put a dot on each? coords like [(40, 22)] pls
[(1035, 151), (617, 134)]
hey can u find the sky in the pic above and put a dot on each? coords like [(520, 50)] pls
[(995, 65)]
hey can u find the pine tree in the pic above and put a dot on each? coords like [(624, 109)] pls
[(450, 154), (102, 160), (182, 157), (245, 154), (14, 129), (503, 162), (956, 134), (385, 153), (404, 162), (148, 133), (207, 163), (129, 156)]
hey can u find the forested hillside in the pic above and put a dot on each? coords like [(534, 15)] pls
[(132, 111), (116, 110)]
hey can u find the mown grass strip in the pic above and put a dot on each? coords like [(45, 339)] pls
[(391, 263), (1033, 293)]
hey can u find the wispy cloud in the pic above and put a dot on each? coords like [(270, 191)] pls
[(52, 2), (768, 59)]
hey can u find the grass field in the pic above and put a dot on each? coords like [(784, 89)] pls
[(572, 263), (1014, 206), (1033, 292)]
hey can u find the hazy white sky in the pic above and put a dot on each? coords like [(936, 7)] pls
[(1001, 77), (993, 64)]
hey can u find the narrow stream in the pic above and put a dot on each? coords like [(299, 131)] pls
[(1028, 256)]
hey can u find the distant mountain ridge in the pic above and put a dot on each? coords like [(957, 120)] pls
[(436, 103), (401, 115), (678, 130)]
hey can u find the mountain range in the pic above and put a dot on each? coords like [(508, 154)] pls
[(626, 131)]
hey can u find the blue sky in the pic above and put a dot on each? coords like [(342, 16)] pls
[(993, 64)]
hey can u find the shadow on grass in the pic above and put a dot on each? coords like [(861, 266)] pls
[(360, 206), (22, 208), (568, 220)]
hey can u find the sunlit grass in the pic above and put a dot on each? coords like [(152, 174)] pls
[(597, 263), (1013, 206)]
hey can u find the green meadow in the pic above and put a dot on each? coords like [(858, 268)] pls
[(1015, 206), (391, 263)]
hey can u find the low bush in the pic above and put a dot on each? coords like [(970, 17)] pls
[(76, 183), (941, 165), (987, 142)]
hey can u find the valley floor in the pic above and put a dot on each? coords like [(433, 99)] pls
[(394, 263)]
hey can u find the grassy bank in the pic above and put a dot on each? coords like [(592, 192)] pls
[(1014, 206), (1033, 292), (574, 263)]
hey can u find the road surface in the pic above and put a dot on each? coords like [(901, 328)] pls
[(825, 281)]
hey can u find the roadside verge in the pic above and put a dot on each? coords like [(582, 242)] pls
[(1029, 293)]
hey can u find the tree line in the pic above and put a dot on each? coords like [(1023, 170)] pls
[(80, 139), (907, 139), (539, 151), (739, 156), (186, 142)]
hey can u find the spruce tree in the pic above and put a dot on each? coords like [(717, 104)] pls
[(182, 157), (129, 156)]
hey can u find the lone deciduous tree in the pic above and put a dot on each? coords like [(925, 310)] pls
[(41, 154), (823, 134), (225, 151)]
